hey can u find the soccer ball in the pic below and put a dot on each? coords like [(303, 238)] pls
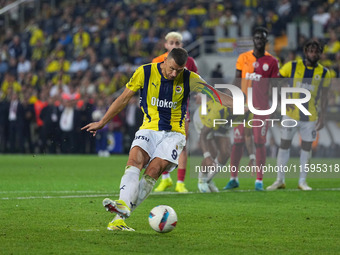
[(163, 218)]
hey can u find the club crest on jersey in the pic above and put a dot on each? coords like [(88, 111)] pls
[(265, 67), (178, 89), (256, 64)]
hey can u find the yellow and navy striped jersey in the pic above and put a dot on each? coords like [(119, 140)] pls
[(163, 101), (310, 78), (217, 111)]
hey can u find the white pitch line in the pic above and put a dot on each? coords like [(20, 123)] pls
[(85, 230), (50, 191), (160, 193)]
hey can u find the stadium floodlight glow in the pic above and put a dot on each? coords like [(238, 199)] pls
[(238, 100)]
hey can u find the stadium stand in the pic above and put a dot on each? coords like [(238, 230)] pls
[(78, 51)]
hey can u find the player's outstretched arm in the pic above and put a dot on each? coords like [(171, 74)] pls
[(198, 84), (116, 107), (227, 101)]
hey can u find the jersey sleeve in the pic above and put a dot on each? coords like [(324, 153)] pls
[(196, 82), (286, 70), (137, 80), (327, 80), (240, 62)]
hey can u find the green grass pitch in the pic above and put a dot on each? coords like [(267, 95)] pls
[(52, 205)]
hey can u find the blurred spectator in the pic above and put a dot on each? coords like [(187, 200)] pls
[(273, 23), (217, 72), (4, 110), (80, 64), (50, 129), (39, 54), (334, 20), (3, 68), (24, 65), (247, 18), (228, 18), (69, 125), (321, 16), (210, 24), (303, 14), (141, 24), (150, 40), (336, 65), (65, 38), (284, 10), (259, 21), (333, 45), (4, 55), (37, 34), (29, 118), (16, 124), (134, 37), (186, 34), (17, 48), (10, 85), (87, 87), (81, 40), (118, 81)]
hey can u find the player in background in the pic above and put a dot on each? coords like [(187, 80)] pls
[(164, 91), (215, 140), (311, 75), (174, 40), (253, 69)]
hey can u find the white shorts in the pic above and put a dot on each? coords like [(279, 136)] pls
[(222, 132), (160, 144), (307, 130)]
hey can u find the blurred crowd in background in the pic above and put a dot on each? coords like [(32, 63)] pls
[(67, 66)]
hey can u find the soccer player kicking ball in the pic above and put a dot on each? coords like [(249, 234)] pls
[(311, 75), (174, 40), (164, 90), (254, 67)]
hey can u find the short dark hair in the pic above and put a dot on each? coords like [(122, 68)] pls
[(260, 30), (180, 56), (314, 44)]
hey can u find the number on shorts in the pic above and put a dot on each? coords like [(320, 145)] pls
[(174, 154)]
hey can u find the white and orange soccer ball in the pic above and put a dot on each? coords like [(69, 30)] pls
[(163, 218)]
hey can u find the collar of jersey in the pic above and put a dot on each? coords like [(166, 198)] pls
[(309, 67), (160, 71)]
